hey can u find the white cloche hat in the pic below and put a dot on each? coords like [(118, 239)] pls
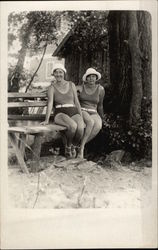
[(91, 71), (58, 66)]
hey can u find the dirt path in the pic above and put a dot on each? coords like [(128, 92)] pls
[(68, 184)]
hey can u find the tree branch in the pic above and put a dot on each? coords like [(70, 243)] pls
[(44, 51)]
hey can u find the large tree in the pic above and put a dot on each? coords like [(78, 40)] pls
[(130, 61)]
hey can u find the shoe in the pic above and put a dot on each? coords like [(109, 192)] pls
[(73, 151), (80, 152), (68, 153)]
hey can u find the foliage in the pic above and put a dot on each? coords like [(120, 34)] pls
[(34, 30), (24, 76), (43, 25), (136, 139), (89, 29)]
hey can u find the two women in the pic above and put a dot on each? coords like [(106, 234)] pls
[(62, 95)]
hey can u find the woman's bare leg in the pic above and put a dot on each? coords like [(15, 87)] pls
[(70, 124), (80, 129), (96, 126), (87, 132)]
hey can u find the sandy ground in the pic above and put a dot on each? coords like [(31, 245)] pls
[(80, 184)]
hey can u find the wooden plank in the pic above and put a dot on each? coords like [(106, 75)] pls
[(31, 117), (27, 95), (55, 127), (21, 130), (20, 158), (36, 129), (27, 104)]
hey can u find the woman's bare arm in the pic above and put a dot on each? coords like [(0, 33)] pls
[(49, 105), (100, 104), (76, 99)]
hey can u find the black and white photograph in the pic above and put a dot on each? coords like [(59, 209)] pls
[(79, 110)]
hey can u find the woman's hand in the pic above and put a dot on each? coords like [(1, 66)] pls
[(44, 123)]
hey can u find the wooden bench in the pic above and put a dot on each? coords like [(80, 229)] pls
[(19, 128)]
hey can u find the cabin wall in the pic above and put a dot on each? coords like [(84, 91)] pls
[(72, 67), (77, 63)]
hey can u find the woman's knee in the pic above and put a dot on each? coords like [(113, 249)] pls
[(69, 123), (80, 123), (72, 126), (90, 123), (97, 126), (80, 128)]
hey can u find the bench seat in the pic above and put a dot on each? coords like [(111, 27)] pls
[(36, 129)]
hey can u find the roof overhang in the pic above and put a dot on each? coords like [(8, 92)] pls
[(62, 43)]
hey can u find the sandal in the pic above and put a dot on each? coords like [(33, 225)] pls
[(68, 153), (73, 151), (80, 152)]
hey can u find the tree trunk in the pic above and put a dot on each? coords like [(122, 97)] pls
[(23, 50), (137, 92), (130, 61), (120, 62), (144, 25)]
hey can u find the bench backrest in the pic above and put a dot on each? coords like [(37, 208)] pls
[(27, 100)]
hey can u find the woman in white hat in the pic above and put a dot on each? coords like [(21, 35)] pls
[(62, 95), (91, 95)]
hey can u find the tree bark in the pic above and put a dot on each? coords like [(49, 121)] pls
[(130, 61), (23, 50), (120, 62), (137, 91), (144, 25)]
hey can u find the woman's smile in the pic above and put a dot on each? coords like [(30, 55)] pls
[(59, 74), (91, 79)]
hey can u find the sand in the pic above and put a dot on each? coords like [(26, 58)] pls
[(80, 184)]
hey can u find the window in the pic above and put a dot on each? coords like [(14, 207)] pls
[(49, 66)]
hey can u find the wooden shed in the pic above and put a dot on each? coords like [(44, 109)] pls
[(77, 62)]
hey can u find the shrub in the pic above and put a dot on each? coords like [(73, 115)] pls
[(136, 139)]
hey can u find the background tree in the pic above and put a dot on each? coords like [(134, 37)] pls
[(36, 30), (130, 117), (130, 61)]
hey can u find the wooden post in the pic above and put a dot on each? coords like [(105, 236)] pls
[(19, 156), (36, 148), (22, 144)]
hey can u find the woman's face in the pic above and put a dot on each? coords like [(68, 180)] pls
[(59, 74), (91, 79)]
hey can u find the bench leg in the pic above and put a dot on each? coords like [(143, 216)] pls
[(36, 148), (22, 144), (19, 156)]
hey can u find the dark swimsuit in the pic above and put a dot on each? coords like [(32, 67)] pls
[(66, 98), (89, 101), (70, 111)]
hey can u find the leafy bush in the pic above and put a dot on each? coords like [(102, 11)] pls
[(136, 139)]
